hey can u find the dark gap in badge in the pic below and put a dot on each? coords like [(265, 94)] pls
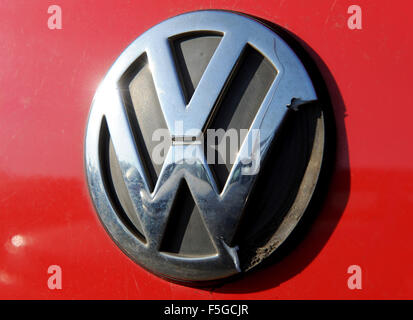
[(115, 185), (186, 234), (236, 109), (145, 115)]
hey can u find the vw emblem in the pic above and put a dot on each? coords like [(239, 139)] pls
[(161, 198)]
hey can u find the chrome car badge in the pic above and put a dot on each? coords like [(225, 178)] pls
[(183, 217)]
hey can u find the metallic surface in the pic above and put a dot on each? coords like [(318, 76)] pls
[(220, 211), (48, 79)]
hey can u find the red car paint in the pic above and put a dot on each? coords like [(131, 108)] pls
[(47, 82)]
